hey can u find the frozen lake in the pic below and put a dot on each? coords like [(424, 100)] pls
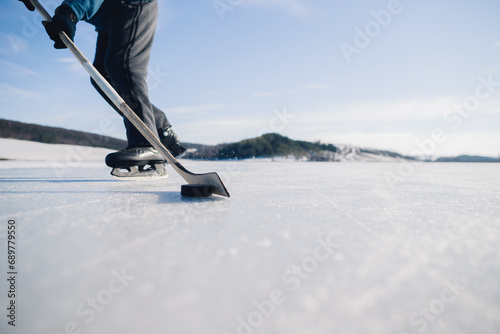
[(298, 248)]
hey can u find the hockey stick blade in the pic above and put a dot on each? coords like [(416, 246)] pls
[(210, 179)]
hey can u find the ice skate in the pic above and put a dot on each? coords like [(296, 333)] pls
[(136, 162), (170, 140)]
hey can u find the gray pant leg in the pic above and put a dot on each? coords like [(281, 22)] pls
[(100, 56), (122, 56)]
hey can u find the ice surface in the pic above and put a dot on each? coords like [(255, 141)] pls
[(298, 248)]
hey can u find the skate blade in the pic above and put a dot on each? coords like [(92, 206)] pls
[(140, 172)]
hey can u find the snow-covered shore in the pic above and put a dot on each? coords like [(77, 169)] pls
[(22, 150)]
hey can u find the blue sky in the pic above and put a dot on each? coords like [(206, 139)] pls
[(413, 76)]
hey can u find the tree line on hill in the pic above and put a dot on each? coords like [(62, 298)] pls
[(52, 135), (266, 146), (270, 145)]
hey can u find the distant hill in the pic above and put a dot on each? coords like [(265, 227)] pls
[(467, 158), (51, 135), (271, 145), (275, 146), (267, 146)]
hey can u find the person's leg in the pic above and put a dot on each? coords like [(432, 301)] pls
[(122, 57), (100, 56), (161, 119), (131, 30)]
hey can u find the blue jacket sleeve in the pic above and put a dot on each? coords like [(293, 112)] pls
[(84, 9)]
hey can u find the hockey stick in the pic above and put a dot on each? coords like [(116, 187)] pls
[(209, 179)]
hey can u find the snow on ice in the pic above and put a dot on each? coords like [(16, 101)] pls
[(300, 247)]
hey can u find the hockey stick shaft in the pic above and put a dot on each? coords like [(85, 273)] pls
[(211, 179)]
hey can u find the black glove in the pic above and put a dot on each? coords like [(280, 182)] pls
[(63, 20), (28, 4)]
